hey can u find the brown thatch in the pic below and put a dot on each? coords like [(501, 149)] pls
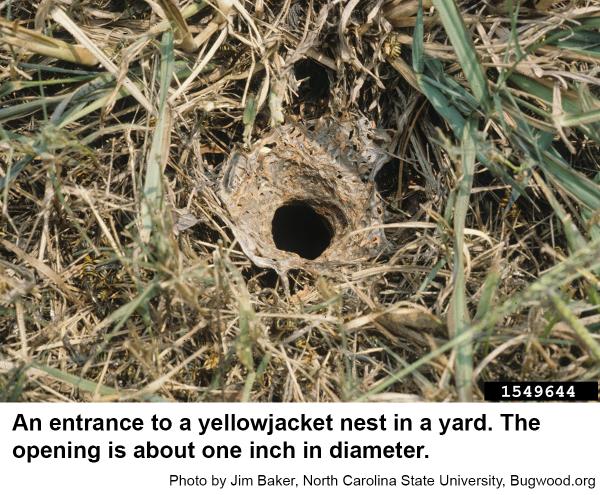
[(128, 273)]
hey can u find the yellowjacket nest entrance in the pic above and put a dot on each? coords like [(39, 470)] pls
[(304, 196), (298, 228)]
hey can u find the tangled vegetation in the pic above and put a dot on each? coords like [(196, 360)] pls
[(120, 278)]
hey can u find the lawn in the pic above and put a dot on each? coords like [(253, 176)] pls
[(126, 275)]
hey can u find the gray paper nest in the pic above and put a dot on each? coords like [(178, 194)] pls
[(301, 178)]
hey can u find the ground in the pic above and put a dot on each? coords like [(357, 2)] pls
[(120, 274)]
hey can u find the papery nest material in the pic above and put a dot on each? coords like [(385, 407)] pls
[(324, 166)]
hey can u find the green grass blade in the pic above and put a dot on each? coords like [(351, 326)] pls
[(159, 151), (465, 49), (581, 188), (418, 51), (11, 112), (442, 105), (580, 329), (579, 119), (458, 317), (75, 381)]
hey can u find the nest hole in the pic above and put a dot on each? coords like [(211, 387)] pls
[(316, 83), (298, 228), (386, 179)]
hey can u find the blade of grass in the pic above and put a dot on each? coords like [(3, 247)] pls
[(458, 317), (579, 328), (465, 49), (17, 36), (75, 381), (15, 86), (418, 49), (56, 70), (580, 187), (96, 389), (579, 119), (13, 171), (159, 150), (11, 112), (486, 301), (248, 321), (436, 97)]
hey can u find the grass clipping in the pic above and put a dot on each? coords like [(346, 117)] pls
[(120, 274)]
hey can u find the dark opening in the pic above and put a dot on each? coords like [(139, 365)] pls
[(316, 80), (564, 361), (386, 178), (264, 278), (299, 229)]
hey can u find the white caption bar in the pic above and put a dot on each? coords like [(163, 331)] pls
[(299, 448)]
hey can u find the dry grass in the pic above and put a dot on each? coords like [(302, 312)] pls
[(119, 276)]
